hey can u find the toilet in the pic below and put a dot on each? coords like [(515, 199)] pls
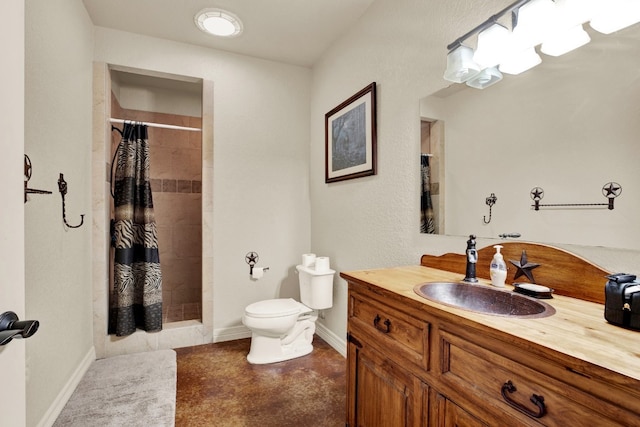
[(283, 328)]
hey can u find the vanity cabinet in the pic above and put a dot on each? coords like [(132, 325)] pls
[(411, 363)]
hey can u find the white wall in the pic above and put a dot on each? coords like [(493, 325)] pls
[(59, 50), (373, 222), (12, 293), (261, 147)]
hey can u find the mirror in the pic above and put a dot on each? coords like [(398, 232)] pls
[(568, 126)]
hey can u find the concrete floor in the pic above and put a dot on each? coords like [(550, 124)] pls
[(218, 387)]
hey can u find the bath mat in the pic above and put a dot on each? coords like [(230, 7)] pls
[(130, 390)]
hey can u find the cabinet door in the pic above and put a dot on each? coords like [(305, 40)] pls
[(381, 393), (451, 415)]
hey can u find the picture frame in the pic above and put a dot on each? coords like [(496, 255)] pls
[(350, 137)]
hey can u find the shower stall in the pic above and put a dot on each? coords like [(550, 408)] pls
[(178, 113)]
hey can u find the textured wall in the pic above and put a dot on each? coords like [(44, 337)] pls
[(59, 51)]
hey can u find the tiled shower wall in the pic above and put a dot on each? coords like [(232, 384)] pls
[(176, 184)]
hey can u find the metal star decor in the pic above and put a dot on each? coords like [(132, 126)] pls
[(524, 267), (251, 258), (537, 193), (612, 189)]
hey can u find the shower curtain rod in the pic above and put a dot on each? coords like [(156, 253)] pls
[(158, 125)]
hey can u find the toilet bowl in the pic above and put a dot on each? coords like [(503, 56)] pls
[(283, 328)]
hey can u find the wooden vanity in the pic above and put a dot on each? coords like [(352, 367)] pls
[(414, 362)]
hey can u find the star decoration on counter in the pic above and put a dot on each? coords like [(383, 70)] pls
[(524, 267)]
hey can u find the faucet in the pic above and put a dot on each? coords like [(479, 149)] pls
[(472, 259)]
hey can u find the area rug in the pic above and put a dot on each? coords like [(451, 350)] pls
[(130, 390)]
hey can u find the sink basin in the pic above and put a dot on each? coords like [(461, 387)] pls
[(484, 299)]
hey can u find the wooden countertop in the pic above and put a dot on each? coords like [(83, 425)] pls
[(577, 329)]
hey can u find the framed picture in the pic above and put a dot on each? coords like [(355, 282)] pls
[(350, 137)]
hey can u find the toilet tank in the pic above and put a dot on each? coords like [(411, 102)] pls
[(316, 287)]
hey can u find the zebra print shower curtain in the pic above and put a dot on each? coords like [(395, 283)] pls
[(136, 297), (427, 217)]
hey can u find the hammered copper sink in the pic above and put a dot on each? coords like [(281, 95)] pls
[(484, 299)]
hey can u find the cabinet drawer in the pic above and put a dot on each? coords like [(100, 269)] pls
[(392, 331), (484, 375)]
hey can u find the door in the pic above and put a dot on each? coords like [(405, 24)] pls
[(12, 355), (451, 415), (381, 393)]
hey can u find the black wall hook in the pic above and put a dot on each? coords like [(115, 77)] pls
[(62, 186), (490, 201)]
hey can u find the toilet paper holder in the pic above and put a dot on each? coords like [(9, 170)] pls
[(252, 259)]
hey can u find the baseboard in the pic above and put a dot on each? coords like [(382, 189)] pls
[(230, 334), (332, 339), (65, 394)]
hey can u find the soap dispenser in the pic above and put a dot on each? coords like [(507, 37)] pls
[(498, 269)]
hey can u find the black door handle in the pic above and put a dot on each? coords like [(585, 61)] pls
[(11, 327)]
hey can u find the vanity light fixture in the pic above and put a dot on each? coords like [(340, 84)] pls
[(218, 22), (520, 62), (493, 45), (460, 65), (556, 26), (485, 78), (536, 21), (566, 41), (569, 34), (614, 15)]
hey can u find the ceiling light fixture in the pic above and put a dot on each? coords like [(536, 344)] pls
[(218, 22), (554, 25)]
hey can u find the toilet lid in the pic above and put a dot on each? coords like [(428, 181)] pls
[(274, 307)]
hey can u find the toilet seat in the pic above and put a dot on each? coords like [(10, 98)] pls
[(275, 308)]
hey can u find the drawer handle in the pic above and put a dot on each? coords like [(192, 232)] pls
[(387, 324), (508, 387)]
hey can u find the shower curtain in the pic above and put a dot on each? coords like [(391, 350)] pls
[(136, 297), (427, 223)]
